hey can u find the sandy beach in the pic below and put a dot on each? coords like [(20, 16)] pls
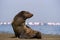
[(9, 36)]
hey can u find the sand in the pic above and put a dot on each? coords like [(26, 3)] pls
[(9, 36)]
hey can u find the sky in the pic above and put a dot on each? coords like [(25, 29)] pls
[(43, 10)]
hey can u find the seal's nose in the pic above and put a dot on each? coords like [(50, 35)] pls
[(32, 14)]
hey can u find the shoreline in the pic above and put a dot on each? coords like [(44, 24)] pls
[(9, 36)]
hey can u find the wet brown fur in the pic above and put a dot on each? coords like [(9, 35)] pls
[(21, 30)]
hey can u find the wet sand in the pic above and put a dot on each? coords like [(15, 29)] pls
[(9, 36)]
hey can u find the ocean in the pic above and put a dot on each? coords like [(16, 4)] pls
[(45, 29)]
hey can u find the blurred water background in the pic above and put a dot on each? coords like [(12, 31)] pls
[(45, 29)]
